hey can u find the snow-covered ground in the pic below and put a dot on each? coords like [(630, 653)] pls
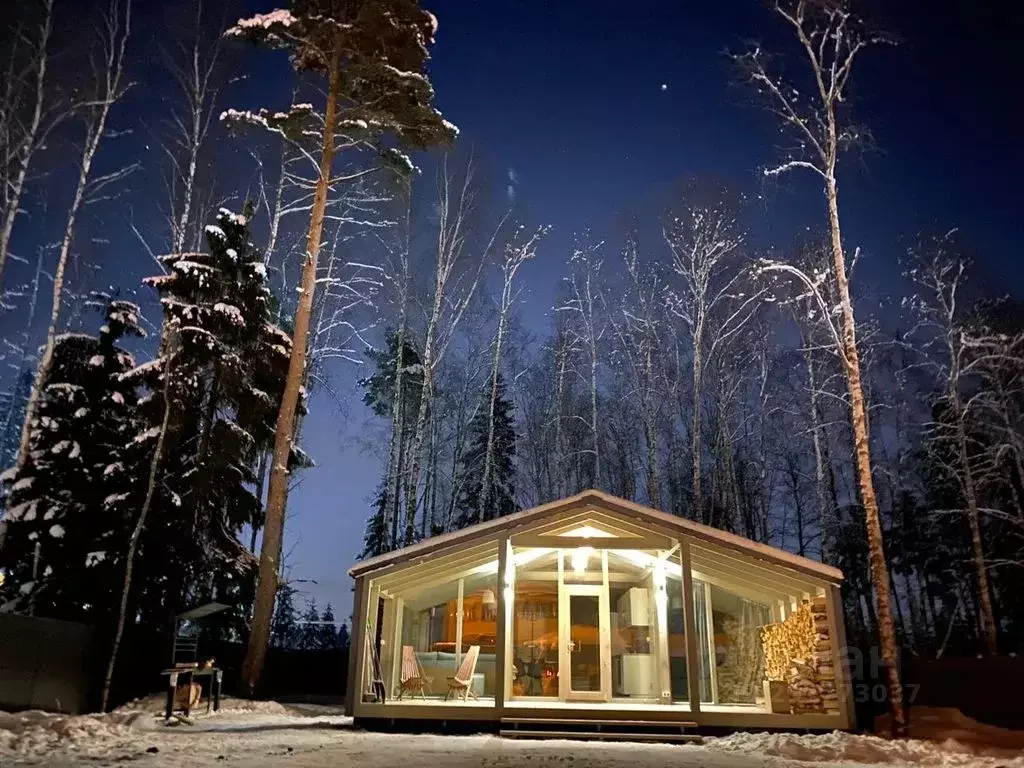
[(263, 734)]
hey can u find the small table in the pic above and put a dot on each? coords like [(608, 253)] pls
[(216, 676)]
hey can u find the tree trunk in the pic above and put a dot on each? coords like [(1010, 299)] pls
[(28, 143), (413, 480), (492, 404), (391, 494), (267, 580), (988, 621), (559, 486), (133, 542), (862, 454), (653, 479), (46, 360), (826, 512), (115, 50), (695, 446), (1016, 484), (596, 478)]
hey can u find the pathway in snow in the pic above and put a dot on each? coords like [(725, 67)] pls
[(267, 734)]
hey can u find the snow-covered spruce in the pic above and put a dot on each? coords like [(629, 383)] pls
[(57, 502), (220, 352)]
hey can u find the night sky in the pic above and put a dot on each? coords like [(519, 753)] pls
[(568, 97)]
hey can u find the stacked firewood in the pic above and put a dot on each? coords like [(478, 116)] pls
[(787, 640), (798, 651), (821, 657)]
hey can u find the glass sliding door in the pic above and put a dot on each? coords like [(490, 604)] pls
[(676, 635), (584, 644), (739, 658), (639, 641), (705, 641), (584, 653), (729, 648), (535, 638)]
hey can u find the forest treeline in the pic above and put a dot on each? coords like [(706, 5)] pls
[(152, 444)]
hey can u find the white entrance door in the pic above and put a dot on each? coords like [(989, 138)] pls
[(585, 654)]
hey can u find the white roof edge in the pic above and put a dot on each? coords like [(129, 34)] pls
[(699, 530)]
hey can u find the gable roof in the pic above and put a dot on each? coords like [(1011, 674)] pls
[(600, 501)]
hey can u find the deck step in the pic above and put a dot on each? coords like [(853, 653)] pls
[(680, 724), (600, 736)]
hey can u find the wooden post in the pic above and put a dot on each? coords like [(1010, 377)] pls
[(370, 627), (502, 683), (563, 630), (458, 623), (659, 598), (690, 623), (357, 647), (837, 639), (387, 660), (396, 639), (712, 655)]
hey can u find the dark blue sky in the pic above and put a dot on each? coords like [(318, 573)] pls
[(568, 94)]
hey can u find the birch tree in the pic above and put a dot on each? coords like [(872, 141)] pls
[(194, 67), (951, 354), (28, 113), (1001, 374), (520, 250), (397, 276), (706, 241), (109, 85), (21, 349), (638, 328), (454, 286), (375, 88), (819, 352), (830, 36), (587, 323)]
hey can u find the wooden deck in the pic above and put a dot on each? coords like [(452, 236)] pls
[(618, 710)]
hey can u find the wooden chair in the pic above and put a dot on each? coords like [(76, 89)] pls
[(412, 678), (462, 683)]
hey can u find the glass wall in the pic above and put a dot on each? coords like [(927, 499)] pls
[(676, 634), (430, 626), (632, 592), (705, 642), (730, 651), (429, 619), (535, 626), (739, 656), (590, 623)]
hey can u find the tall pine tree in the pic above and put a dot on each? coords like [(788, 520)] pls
[(501, 494), (65, 507), (372, 54)]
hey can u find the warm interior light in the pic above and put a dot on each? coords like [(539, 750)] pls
[(519, 558), (588, 532), (529, 555), (580, 558)]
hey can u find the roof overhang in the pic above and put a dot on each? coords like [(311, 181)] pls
[(524, 525)]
